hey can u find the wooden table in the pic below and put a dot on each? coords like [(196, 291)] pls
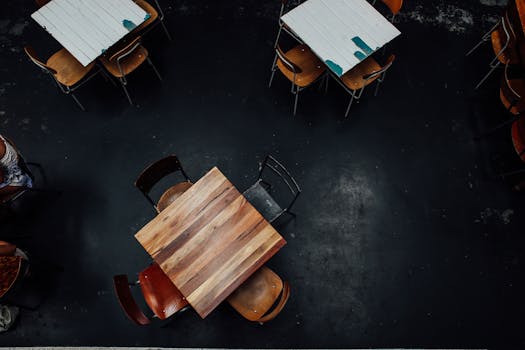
[(87, 28), (209, 241), (341, 33), (10, 267)]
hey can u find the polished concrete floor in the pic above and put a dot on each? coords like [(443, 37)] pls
[(405, 235)]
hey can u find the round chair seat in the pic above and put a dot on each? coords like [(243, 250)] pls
[(172, 194)]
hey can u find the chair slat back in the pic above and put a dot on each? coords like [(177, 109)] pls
[(278, 169), (287, 62), (158, 170), (126, 50), (125, 298)]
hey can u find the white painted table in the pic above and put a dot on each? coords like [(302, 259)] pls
[(342, 33), (87, 28)]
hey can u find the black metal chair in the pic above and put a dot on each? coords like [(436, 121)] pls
[(156, 172), (260, 193)]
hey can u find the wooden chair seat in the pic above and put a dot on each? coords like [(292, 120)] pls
[(499, 39), (518, 137), (161, 295), (256, 295), (10, 267), (128, 63), (150, 10), (171, 194), (354, 80), (311, 67), (68, 70)]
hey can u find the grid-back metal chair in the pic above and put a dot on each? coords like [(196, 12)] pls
[(260, 193), (156, 172), (66, 71), (125, 60), (358, 78)]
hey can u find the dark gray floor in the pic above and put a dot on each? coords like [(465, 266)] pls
[(403, 238)]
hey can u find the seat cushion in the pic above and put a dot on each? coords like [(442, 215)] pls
[(68, 70), (303, 57), (161, 295), (354, 80), (128, 63), (263, 201), (257, 294), (171, 194)]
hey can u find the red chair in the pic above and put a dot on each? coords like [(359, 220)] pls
[(160, 294)]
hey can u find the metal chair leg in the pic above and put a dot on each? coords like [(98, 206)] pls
[(349, 105), (296, 99), (78, 102), (379, 81), (123, 83), (273, 71), (154, 68), (166, 30), (510, 173), (487, 75), (496, 128)]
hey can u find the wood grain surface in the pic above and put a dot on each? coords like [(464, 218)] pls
[(209, 241)]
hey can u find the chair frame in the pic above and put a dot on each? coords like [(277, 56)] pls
[(283, 26), (68, 90), (160, 20), (356, 94), (274, 165), (145, 189)]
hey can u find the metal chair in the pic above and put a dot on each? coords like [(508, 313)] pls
[(300, 66), (254, 298), (160, 294), (156, 16), (259, 193), (358, 78), (157, 171), (393, 5), (503, 41), (125, 60), (66, 71)]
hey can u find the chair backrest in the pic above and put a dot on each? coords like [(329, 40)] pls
[(34, 58), (511, 91), (161, 295), (278, 169), (287, 62), (388, 64), (255, 297), (127, 302), (158, 170), (126, 50), (394, 5)]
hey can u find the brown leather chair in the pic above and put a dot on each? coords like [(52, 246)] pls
[(160, 294), (254, 298), (154, 173)]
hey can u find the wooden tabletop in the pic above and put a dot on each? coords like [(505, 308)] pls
[(341, 33), (9, 270), (88, 28), (209, 241)]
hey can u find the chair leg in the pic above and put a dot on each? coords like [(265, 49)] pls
[(278, 35), (154, 68), (273, 71), (123, 83), (379, 81), (78, 102), (296, 99), (349, 105), (487, 75), (515, 172), (496, 128), (166, 30)]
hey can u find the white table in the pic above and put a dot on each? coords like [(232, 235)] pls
[(341, 32), (87, 28)]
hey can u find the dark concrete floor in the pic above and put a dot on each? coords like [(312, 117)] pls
[(404, 236)]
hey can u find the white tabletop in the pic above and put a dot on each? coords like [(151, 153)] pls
[(87, 28), (341, 32)]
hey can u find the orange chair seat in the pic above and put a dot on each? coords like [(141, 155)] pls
[(508, 97), (518, 137), (311, 66), (499, 39), (68, 70), (161, 295), (10, 267), (146, 6), (171, 194), (353, 79), (257, 294), (128, 63)]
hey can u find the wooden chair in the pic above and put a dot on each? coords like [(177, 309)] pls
[(155, 17), (365, 73), (66, 71), (125, 60), (154, 173), (300, 66), (503, 39), (259, 193), (393, 5), (160, 294), (254, 298)]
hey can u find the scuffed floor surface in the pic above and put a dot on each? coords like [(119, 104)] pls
[(405, 236)]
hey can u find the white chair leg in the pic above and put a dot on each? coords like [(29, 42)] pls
[(487, 75), (349, 105)]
